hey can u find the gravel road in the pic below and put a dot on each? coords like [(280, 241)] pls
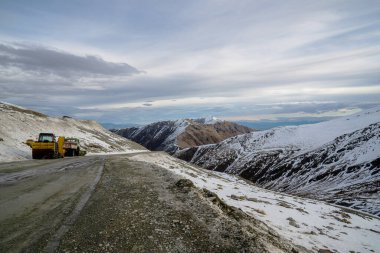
[(113, 204)]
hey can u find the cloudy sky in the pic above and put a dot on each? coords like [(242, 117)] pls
[(142, 61)]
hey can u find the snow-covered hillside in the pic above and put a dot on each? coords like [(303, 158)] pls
[(156, 136), (172, 136), (19, 124), (337, 160), (311, 224)]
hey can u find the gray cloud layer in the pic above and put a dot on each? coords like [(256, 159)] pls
[(42, 59), (247, 53)]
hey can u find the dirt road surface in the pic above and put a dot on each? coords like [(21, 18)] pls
[(113, 204)]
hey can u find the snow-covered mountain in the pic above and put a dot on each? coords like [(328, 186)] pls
[(18, 124), (337, 160), (172, 136)]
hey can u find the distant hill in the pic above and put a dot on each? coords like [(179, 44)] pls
[(172, 136), (118, 126)]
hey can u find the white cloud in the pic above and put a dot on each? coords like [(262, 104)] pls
[(333, 113)]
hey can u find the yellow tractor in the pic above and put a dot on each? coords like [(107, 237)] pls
[(47, 147)]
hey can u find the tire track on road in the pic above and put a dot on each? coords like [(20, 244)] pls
[(59, 166), (53, 244)]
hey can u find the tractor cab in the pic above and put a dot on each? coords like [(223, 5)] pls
[(47, 147), (46, 137)]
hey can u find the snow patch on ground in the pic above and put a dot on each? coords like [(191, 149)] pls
[(312, 224), (132, 151)]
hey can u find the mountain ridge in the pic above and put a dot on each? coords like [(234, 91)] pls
[(311, 160), (172, 136)]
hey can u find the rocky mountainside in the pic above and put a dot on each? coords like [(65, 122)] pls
[(315, 226), (337, 160), (19, 124), (172, 136)]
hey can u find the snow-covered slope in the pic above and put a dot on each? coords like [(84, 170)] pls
[(19, 124), (172, 136), (311, 224), (156, 136), (208, 120), (337, 160)]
